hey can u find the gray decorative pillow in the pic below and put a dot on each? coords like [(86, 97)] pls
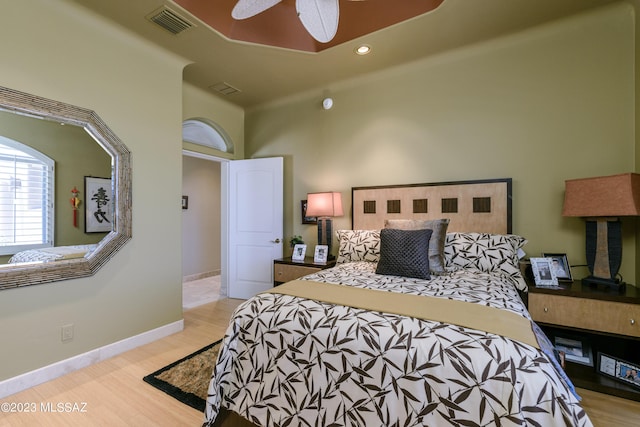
[(404, 253), (358, 245), (436, 244), (487, 253)]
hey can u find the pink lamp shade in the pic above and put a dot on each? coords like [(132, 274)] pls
[(324, 204)]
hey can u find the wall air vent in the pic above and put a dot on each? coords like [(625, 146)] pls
[(169, 20), (224, 88)]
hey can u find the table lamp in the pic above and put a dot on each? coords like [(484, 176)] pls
[(601, 200), (324, 206)]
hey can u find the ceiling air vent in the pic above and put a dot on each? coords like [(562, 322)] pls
[(224, 88), (169, 20)]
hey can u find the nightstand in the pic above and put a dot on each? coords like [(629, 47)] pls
[(285, 269), (608, 321)]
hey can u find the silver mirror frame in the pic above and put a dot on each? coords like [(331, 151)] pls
[(25, 274)]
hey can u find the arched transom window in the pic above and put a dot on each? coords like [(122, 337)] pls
[(206, 132)]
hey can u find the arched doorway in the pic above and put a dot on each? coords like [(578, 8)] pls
[(201, 221)]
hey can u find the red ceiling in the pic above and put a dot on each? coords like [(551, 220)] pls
[(280, 26)]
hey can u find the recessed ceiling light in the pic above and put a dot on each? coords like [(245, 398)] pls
[(363, 49), (327, 103)]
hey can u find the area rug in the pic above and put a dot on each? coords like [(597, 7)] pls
[(188, 378)]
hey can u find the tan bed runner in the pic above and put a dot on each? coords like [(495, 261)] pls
[(470, 315)]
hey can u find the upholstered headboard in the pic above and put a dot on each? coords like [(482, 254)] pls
[(472, 206)]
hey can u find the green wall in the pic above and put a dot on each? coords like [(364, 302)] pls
[(541, 106), (76, 57)]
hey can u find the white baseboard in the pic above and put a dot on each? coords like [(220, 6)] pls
[(47, 373), (198, 276)]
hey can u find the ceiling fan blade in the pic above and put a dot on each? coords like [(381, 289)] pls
[(319, 17), (247, 8)]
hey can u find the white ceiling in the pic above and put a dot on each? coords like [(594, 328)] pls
[(264, 74)]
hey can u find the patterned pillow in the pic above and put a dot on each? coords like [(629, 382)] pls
[(404, 253), (358, 245), (485, 252), (436, 243)]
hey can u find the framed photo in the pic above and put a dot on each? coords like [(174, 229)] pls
[(307, 219), (185, 202), (543, 273), (321, 253), (575, 349), (298, 252), (98, 202), (560, 265), (621, 370)]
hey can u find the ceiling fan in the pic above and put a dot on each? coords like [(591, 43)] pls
[(319, 17)]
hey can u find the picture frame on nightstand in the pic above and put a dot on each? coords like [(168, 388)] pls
[(575, 349), (560, 264), (621, 370), (299, 252), (321, 254), (543, 273)]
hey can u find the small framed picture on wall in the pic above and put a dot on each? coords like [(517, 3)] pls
[(306, 219), (98, 202)]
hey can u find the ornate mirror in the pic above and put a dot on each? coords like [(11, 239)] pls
[(31, 273)]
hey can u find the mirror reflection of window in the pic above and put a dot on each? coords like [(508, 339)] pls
[(81, 145), (76, 154), (26, 197)]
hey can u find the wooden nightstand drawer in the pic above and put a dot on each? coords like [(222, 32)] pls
[(593, 314), (285, 269), (603, 319), (286, 272)]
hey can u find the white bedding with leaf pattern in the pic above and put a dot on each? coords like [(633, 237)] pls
[(52, 254), (288, 361)]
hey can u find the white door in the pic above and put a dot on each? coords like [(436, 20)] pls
[(252, 224)]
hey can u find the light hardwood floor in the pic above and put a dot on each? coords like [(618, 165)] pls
[(113, 389), (115, 394)]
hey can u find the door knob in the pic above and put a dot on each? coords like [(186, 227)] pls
[(276, 241)]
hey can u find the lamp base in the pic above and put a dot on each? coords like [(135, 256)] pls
[(609, 283), (604, 247), (325, 233)]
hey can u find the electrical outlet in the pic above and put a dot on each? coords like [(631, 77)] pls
[(67, 332)]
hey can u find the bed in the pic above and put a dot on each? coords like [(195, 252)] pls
[(55, 253), (380, 340)]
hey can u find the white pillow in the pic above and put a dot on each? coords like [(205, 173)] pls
[(358, 245), (486, 253)]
